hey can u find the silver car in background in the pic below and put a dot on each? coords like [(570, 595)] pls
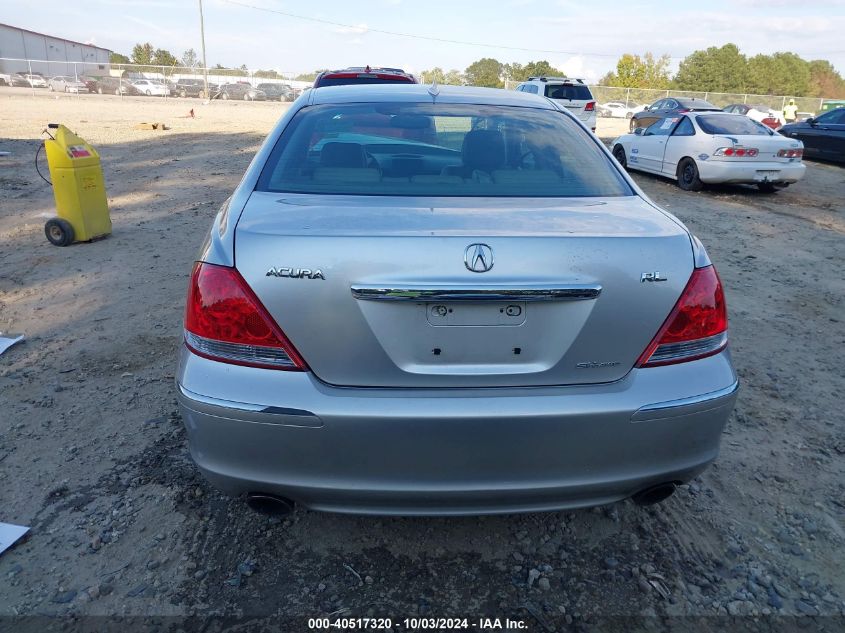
[(449, 301)]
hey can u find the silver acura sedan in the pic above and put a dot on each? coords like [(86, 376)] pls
[(426, 300)]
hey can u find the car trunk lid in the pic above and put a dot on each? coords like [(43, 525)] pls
[(378, 291)]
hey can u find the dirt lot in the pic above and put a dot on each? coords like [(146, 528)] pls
[(93, 455)]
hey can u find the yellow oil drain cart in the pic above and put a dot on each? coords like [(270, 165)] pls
[(78, 187)]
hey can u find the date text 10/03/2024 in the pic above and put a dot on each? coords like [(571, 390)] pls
[(417, 624)]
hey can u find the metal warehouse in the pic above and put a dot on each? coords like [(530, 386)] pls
[(49, 55)]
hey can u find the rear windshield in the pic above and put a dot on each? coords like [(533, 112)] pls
[(579, 92), (425, 149), (731, 124), (362, 79)]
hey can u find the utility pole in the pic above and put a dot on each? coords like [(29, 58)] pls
[(204, 63)]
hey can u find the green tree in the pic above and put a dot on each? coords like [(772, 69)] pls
[(309, 76), (143, 53), (267, 74), (722, 69), (633, 71), (190, 58), (485, 72), (825, 81), (519, 72), (454, 78), (162, 57), (778, 74), (435, 74), (117, 58)]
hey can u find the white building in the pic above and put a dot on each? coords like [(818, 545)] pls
[(49, 55)]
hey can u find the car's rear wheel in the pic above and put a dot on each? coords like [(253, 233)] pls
[(149, 93), (688, 178), (247, 97), (619, 155), (632, 125), (225, 96), (201, 94), (628, 115), (766, 187)]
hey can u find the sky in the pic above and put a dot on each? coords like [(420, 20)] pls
[(581, 37)]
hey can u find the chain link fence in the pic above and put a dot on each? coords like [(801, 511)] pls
[(122, 79), (633, 97)]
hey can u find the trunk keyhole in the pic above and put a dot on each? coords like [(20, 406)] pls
[(517, 350), (436, 351)]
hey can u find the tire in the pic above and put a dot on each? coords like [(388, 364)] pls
[(149, 94), (99, 90), (766, 187), (688, 179), (628, 115), (52, 89), (225, 96), (619, 155), (201, 94), (632, 125), (117, 91), (59, 232), (246, 97)]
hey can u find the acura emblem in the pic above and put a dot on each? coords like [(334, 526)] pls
[(478, 258)]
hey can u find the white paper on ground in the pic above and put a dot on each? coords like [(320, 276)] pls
[(7, 340), (9, 534)]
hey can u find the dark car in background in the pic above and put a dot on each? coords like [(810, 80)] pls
[(194, 88), (823, 136), (670, 106), (108, 85), (365, 75), (277, 92), (19, 80), (240, 91)]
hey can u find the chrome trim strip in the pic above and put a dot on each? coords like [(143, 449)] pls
[(491, 293), (684, 406), (250, 412)]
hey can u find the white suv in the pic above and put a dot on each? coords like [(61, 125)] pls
[(572, 94)]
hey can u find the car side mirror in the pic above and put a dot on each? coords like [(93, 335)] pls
[(638, 131), (811, 121)]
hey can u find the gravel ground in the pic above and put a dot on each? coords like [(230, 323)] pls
[(93, 455)]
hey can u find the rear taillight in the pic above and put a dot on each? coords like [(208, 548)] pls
[(791, 153), (737, 151), (696, 327), (225, 321), (591, 105)]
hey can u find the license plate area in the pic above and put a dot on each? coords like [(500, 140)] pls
[(475, 313), (763, 176)]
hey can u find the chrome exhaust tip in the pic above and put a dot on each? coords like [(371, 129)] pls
[(654, 494), (268, 504)]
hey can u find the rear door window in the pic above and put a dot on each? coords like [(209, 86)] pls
[(568, 91), (731, 124), (425, 149)]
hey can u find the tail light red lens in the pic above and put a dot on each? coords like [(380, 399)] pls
[(225, 321), (791, 153), (697, 326), (741, 152), (591, 105)]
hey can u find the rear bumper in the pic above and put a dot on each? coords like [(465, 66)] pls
[(459, 451), (748, 173)]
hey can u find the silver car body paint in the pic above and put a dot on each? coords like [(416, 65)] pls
[(539, 412)]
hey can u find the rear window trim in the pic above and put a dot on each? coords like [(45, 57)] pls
[(630, 191)]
